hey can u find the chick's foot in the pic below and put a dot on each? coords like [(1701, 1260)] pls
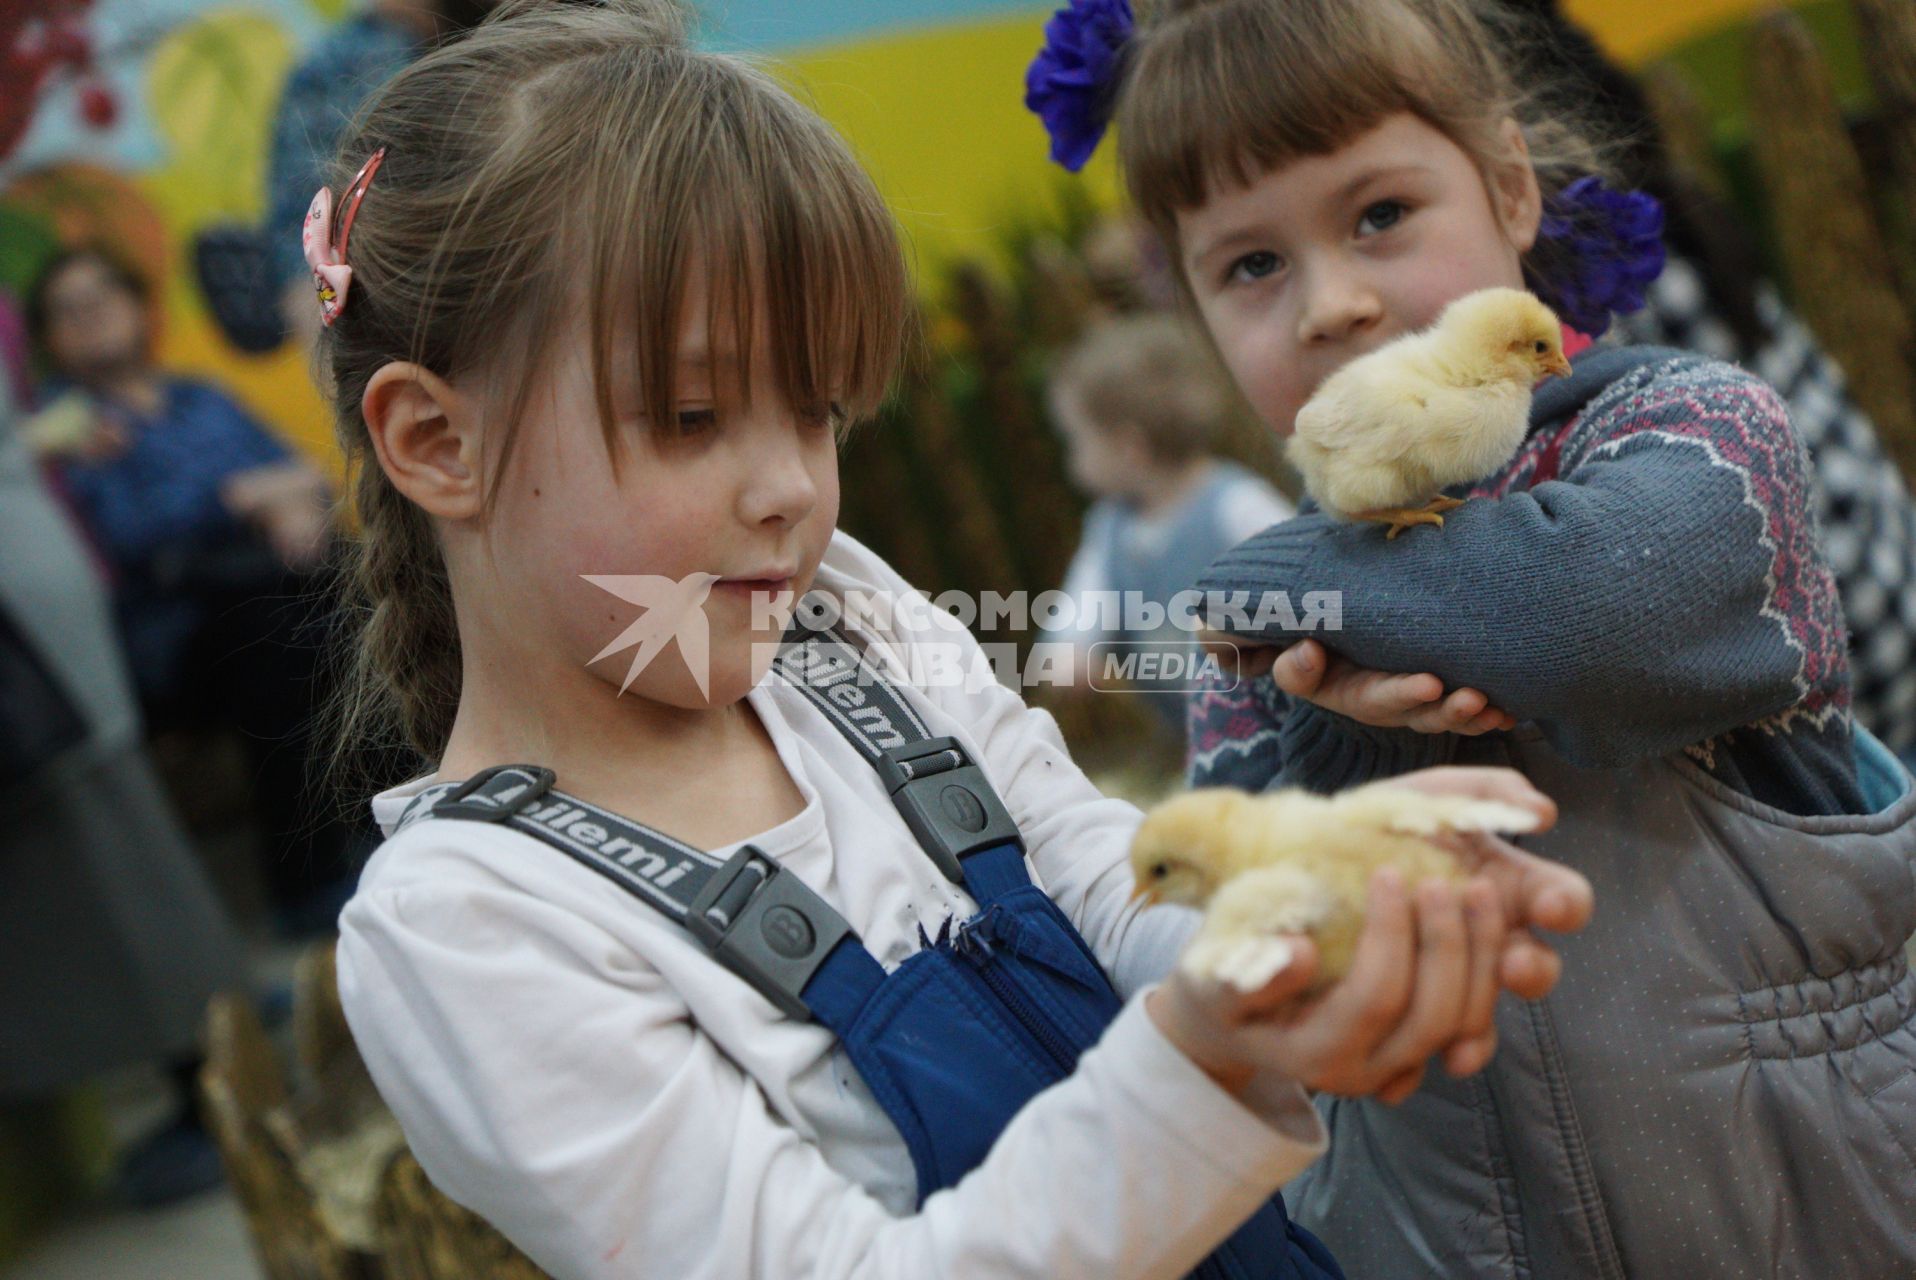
[(1402, 518)]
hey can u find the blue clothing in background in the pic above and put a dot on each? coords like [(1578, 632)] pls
[(156, 513), (166, 486), (1151, 559)]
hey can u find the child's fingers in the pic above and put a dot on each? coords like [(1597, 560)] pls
[(1537, 892), (1489, 720), (1484, 782), (1256, 660), (1376, 697), (1440, 985), (1528, 968), (1370, 1001), (1484, 919), (1402, 1086), (1469, 1056), (1285, 986), (1386, 696), (1452, 714), (1307, 670), (1561, 900), (1252, 658), (1300, 669), (1465, 711)]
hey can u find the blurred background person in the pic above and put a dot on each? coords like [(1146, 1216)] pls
[(1139, 402), (110, 935), (216, 537)]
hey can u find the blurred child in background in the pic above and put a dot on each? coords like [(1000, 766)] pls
[(1139, 402)]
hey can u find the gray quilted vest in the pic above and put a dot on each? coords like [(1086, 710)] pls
[(1735, 1093)]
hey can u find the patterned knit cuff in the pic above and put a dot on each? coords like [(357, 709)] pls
[(1233, 733), (1325, 752)]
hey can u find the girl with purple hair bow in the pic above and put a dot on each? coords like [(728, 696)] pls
[(1604, 247), (1633, 610)]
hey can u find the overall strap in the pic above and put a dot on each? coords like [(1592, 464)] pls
[(942, 794), (756, 918)]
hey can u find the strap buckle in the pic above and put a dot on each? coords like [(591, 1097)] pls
[(767, 926), (947, 802), (479, 800)]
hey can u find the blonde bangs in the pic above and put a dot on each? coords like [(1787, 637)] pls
[(796, 245), (1218, 94)]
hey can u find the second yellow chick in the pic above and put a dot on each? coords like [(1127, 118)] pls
[(1289, 862), (1383, 436)]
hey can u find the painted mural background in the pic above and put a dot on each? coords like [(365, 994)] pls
[(141, 122)]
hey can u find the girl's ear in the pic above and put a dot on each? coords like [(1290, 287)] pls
[(425, 434), (1514, 190)]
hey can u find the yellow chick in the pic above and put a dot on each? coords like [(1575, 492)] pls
[(1294, 863), (1385, 434)]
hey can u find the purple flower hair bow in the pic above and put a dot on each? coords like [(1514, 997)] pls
[(1610, 248), (1071, 83)]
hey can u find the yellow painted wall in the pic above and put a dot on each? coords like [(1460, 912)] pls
[(939, 118), (1637, 30)]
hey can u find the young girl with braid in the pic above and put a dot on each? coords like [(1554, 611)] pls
[(880, 1004), (1631, 611)]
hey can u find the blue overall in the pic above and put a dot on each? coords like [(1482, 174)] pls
[(963, 1033)]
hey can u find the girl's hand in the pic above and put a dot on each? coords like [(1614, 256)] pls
[(299, 531), (1381, 699), (1424, 978), (1531, 892), (1419, 984), (108, 441)]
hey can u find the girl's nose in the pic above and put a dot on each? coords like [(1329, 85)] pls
[(1337, 307), (779, 487)]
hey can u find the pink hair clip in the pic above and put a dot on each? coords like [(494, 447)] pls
[(325, 250)]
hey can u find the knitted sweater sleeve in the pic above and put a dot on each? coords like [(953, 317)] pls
[(1254, 737), (1641, 578)]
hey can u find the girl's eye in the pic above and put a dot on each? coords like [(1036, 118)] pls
[(693, 422), (1255, 266), (824, 415), (1381, 216)]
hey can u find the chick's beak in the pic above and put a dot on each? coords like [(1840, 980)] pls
[(1141, 890), (1559, 365)]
